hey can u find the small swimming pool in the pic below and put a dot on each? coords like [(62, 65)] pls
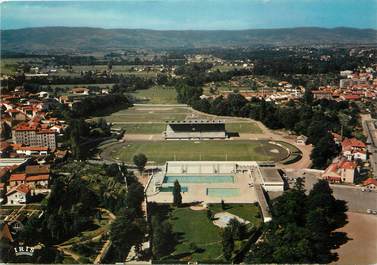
[(199, 179), (223, 192), (170, 189)]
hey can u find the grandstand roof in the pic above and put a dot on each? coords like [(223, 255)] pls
[(197, 122)]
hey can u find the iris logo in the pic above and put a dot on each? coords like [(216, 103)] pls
[(24, 251)]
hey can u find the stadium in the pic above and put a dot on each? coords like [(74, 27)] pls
[(195, 130)]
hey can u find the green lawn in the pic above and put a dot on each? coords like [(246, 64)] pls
[(249, 212), (157, 95), (140, 128), (162, 151), (158, 128), (194, 227), (245, 127), (159, 114)]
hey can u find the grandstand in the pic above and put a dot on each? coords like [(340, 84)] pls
[(195, 130)]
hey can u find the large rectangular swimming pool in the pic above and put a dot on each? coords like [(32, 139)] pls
[(199, 179)]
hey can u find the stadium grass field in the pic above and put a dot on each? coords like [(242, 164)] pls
[(158, 152), (158, 128)]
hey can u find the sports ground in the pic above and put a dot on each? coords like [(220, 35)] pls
[(144, 125), (160, 151)]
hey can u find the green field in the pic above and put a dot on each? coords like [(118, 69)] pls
[(147, 114), (249, 212), (244, 127), (158, 128), (194, 227), (162, 151), (157, 95)]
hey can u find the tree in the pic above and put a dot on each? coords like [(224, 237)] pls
[(135, 197), (177, 197), (162, 237), (302, 228), (237, 228), (228, 243), (127, 230), (140, 160)]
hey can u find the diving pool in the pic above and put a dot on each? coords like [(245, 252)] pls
[(223, 192), (199, 179)]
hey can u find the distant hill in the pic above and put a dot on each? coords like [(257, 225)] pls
[(93, 39)]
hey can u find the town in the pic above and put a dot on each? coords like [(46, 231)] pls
[(155, 146)]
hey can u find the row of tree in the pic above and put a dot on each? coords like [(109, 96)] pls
[(315, 119), (303, 227)]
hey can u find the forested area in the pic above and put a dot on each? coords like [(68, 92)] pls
[(303, 227)]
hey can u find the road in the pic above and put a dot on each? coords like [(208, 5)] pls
[(357, 200), (370, 131)]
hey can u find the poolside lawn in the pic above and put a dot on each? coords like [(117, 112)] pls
[(195, 227), (249, 212)]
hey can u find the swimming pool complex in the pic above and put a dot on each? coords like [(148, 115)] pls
[(199, 179)]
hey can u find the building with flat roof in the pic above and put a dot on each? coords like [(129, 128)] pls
[(195, 130)]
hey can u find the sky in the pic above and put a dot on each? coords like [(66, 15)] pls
[(190, 14)]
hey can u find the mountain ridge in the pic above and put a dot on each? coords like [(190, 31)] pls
[(95, 39)]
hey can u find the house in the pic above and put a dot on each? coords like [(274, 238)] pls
[(321, 94), (341, 171), (17, 179), (38, 181), (354, 149), (301, 140), (80, 91), (370, 183), (37, 170), (18, 195), (32, 150)]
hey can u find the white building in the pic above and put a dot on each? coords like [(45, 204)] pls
[(18, 195)]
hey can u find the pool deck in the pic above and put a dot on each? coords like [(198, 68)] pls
[(197, 192)]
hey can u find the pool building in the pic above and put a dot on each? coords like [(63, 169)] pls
[(213, 181)]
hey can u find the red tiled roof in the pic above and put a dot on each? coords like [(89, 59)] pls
[(348, 165), (351, 97), (37, 170), (370, 181), (37, 178), (17, 177), (23, 188), (352, 142)]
